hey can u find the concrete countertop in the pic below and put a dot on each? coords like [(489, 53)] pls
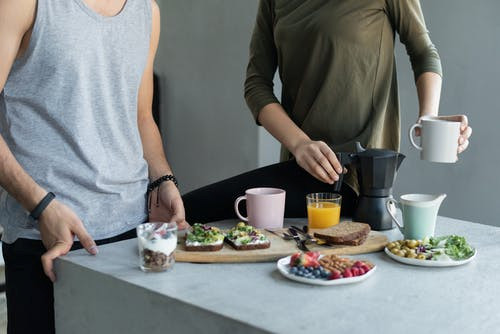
[(109, 294)]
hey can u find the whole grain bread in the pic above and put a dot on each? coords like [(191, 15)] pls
[(345, 233), (248, 246), (204, 248), (355, 242)]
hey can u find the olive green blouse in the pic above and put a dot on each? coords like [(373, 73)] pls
[(336, 63)]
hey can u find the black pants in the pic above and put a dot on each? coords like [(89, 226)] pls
[(216, 201), (30, 294)]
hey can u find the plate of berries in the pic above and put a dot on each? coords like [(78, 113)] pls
[(316, 269)]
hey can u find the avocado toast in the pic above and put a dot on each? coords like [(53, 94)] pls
[(204, 238), (246, 237)]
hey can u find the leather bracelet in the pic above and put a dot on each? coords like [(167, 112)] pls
[(155, 184), (37, 211)]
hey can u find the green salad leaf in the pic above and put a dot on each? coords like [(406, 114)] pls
[(457, 248)]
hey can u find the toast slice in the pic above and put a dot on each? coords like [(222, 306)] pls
[(249, 246), (204, 248), (345, 233), (355, 242), (246, 237), (204, 238)]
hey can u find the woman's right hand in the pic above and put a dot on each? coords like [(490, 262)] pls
[(58, 226), (318, 159)]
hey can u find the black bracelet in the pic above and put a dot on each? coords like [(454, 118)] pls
[(37, 211), (155, 184)]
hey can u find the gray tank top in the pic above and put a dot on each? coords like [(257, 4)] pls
[(68, 112)]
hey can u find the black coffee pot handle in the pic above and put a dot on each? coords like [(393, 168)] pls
[(345, 159)]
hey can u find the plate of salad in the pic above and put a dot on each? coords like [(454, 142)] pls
[(444, 251)]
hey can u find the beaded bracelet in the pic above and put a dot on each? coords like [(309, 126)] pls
[(155, 184)]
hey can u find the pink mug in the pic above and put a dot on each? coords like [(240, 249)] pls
[(265, 207)]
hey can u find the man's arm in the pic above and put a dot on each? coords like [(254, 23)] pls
[(170, 207), (57, 222)]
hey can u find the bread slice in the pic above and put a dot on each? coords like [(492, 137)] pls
[(350, 232), (249, 246), (355, 242), (203, 238), (204, 248)]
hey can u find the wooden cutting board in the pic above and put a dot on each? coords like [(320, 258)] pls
[(375, 242)]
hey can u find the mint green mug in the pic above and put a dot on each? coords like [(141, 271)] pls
[(419, 213)]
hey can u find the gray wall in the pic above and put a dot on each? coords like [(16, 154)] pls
[(209, 133), (467, 35)]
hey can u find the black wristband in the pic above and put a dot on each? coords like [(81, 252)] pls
[(37, 211), (157, 182)]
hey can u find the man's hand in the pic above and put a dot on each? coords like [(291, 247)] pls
[(318, 159), (169, 206), (465, 130), (58, 226)]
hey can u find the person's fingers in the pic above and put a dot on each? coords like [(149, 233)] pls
[(332, 158), (464, 122), (85, 239), (317, 171), (466, 133), (418, 132), (183, 225), (327, 167), (457, 118), (463, 147), (59, 248)]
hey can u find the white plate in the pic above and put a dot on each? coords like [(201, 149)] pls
[(429, 263), (284, 269)]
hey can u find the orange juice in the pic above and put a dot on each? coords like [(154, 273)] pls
[(323, 214)]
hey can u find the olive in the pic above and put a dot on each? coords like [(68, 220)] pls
[(412, 243), (405, 248), (401, 253), (391, 245), (395, 251), (421, 257), (411, 255)]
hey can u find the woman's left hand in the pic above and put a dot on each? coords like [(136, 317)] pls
[(465, 130), (168, 207)]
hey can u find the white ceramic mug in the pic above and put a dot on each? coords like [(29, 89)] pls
[(438, 139), (265, 207)]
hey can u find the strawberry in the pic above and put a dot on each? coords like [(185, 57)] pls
[(295, 259), (361, 271), (355, 271), (314, 255)]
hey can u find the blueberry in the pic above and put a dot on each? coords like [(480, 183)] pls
[(293, 270), (316, 272), (301, 267)]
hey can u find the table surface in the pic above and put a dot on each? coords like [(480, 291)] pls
[(396, 298)]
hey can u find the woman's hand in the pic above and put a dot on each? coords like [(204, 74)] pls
[(465, 130), (318, 159), (169, 206), (58, 226)]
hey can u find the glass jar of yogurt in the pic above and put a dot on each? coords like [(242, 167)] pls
[(157, 243)]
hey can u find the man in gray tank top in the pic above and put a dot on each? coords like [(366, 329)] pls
[(76, 84)]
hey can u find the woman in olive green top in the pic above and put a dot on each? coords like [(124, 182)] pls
[(336, 63)]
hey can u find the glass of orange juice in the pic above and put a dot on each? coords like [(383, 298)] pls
[(323, 209)]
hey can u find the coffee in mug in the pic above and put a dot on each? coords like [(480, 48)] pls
[(438, 139), (265, 207)]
